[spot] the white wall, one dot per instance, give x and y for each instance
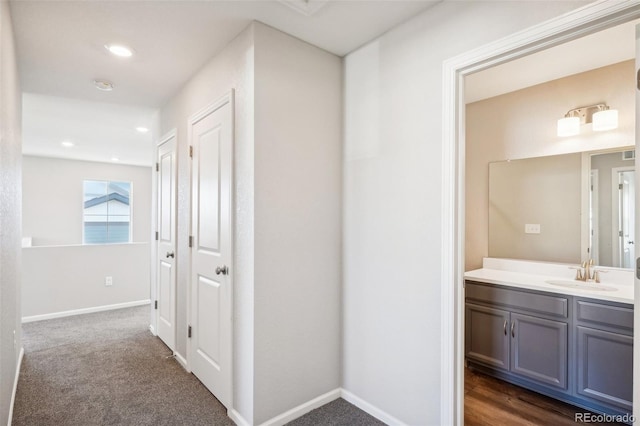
(58, 264)
(233, 68)
(66, 278)
(53, 198)
(392, 184)
(298, 199)
(10, 213)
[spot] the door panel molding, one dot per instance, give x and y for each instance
(210, 347)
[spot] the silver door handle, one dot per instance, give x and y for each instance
(224, 270)
(513, 324)
(170, 254)
(504, 326)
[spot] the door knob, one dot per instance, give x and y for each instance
(224, 270)
(170, 254)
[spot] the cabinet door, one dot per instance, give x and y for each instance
(539, 350)
(486, 336)
(605, 367)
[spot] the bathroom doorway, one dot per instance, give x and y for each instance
(593, 17)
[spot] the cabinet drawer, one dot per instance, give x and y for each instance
(598, 313)
(521, 300)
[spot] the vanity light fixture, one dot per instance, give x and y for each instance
(602, 117)
(568, 126)
(605, 119)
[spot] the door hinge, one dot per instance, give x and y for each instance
(191, 151)
(189, 332)
(190, 240)
(156, 305)
(157, 235)
(619, 186)
(157, 167)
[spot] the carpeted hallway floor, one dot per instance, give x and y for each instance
(107, 369)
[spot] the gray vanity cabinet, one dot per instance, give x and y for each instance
(539, 349)
(578, 350)
(517, 332)
(486, 335)
(604, 353)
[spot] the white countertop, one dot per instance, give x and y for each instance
(623, 292)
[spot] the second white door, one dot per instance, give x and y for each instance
(211, 139)
(166, 236)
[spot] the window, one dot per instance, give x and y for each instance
(106, 212)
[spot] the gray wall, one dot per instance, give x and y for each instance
(298, 200)
(59, 263)
(288, 215)
(10, 212)
(233, 68)
(52, 198)
(393, 192)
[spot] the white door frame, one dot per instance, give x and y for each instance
(615, 213)
(226, 98)
(173, 133)
(580, 22)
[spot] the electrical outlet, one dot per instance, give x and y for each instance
(108, 281)
(532, 228)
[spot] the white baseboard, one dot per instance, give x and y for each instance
(303, 409)
(237, 418)
(370, 409)
(152, 330)
(15, 386)
(84, 311)
(182, 361)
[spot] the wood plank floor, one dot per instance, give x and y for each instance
(489, 402)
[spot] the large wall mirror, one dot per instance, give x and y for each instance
(564, 208)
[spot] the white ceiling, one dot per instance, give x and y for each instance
(61, 51)
(98, 130)
(597, 50)
(61, 43)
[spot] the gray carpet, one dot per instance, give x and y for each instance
(336, 413)
(107, 369)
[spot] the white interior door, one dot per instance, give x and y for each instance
(211, 138)
(626, 221)
(166, 237)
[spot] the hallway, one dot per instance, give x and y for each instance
(107, 369)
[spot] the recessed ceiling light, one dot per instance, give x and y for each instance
(104, 85)
(142, 129)
(115, 159)
(67, 144)
(119, 50)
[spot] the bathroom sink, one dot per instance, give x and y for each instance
(581, 285)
